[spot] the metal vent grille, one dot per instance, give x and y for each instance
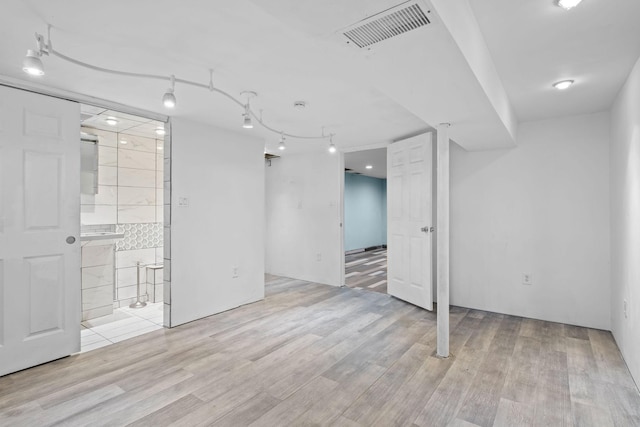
(387, 24)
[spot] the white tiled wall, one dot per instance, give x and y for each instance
(130, 192)
(97, 279)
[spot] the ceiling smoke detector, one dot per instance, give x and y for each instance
(390, 23)
(299, 105)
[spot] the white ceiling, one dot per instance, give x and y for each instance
(534, 43)
(358, 160)
(288, 50)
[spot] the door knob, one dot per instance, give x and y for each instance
(425, 229)
(71, 240)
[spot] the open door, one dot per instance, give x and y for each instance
(39, 229)
(409, 211)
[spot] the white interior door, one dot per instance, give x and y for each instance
(409, 212)
(39, 229)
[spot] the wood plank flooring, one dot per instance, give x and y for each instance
(311, 354)
(367, 270)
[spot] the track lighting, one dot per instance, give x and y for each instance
(169, 99)
(332, 146)
(32, 64)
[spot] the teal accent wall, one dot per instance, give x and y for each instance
(365, 211)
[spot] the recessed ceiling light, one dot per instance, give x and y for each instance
(562, 85)
(122, 141)
(160, 131)
(369, 167)
(568, 4)
(111, 121)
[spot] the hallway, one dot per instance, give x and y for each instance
(367, 270)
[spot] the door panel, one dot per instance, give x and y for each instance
(39, 209)
(409, 207)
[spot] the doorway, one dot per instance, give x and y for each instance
(365, 219)
(121, 219)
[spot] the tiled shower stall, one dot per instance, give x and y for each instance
(129, 200)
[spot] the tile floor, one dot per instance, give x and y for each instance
(367, 270)
(123, 324)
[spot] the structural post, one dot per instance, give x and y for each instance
(442, 246)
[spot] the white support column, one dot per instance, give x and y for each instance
(442, 230)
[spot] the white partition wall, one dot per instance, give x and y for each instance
(304, 211)
(216, 241)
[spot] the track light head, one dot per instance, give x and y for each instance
(169, 99)
(32, 64)
(247, 124)
(332, 146)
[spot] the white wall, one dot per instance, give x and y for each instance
(540, 208)
(303, 199)
(625, 220)
(221, 174)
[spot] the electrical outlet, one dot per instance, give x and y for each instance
(624, 309)
(235, 273)
(183, 201)
(527, 279)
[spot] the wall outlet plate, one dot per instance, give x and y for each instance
(527, 279)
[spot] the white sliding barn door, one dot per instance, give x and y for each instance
(39, 229)
(409, 212)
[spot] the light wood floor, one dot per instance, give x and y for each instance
(316, 355)
(367, 270)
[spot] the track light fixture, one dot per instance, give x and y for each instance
(32, 65)
(247, 124)
(169, 99)
(332, 146)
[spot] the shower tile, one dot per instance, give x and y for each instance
(100, 296)
(97, 276)
(136, 178)
(136, 159)
(138, 143)
(98, 214)
(136, 214)
(107, 195)
(128, 277)
(136, 196)
(107, 156)
(107, 175)
(97, 255)
(129, 258)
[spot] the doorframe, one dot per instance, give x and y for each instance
(341, 171)
(38, 88)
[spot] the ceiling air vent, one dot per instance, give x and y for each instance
(390, 23)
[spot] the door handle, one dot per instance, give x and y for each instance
(71, 240)
(427, 229)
